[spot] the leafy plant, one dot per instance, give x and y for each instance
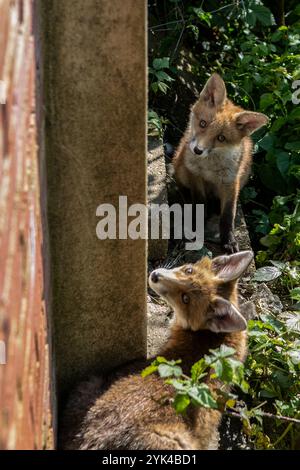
(272, 371)
(255, 47)
(159, 78)
(156, 124)
(220, 365)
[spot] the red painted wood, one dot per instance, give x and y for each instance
(25, 418)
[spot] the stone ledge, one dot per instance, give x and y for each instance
(157, 192)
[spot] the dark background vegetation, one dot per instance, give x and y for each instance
(255, 46)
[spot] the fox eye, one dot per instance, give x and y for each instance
(221, 138)
(189, 270)
(202, 123)
(185, 298)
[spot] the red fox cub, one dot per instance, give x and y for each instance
(127, 411)
(215, 154)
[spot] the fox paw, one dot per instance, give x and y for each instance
(230, 245)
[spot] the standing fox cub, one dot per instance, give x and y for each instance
(215, 154)
(127, 411)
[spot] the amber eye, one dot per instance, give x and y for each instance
(202, 123)
(221, 138)
(189, 270)
(185, 298)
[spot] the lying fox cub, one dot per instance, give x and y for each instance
(215, 154)
(126, 411)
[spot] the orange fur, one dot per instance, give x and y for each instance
(126, 411)
(220, 132)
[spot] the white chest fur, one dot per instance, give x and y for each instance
(219, 167)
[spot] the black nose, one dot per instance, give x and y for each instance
(154, 277)
(198, 151)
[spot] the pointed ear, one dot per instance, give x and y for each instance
(249, 122)
(231, 267)
(223, 317)
(214, 92)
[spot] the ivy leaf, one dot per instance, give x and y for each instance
(293, 146)
(278, 123)
(266, 100)
(266, 274)
(263, 14)
(293, 321)
(267, 142)
(279, 264)
(283, 163)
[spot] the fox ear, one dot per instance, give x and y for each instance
(231, 267)
(249, 121)
(223, 317)
(214, 91)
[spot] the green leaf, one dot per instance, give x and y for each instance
(161, 75)
(266, 100)
(278, 123)
(201, 395)
(179, 385)
(294, 114)
(294, 356)
(263, 14)
(154, 87)
(293, 321)
(161, 360)
(181, 402)
(149, 370)
(267, 393)
(271, 178)
(162, 87)
(223, 351)
(166, 370)
(293, 146)
(295, 293)
(198, 369)
(267, 273)
(279, 264)
(163, 63)
(283, 163)
(267, 142)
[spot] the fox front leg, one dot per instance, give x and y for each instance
(228, 212)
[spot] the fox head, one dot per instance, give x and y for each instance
(203, 294)
(216, 123)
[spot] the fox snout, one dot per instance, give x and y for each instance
(160, 279)
(197, 148)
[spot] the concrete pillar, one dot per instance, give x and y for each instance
(91, 56)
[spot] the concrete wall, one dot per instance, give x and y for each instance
(91, 62)
(25, 416)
